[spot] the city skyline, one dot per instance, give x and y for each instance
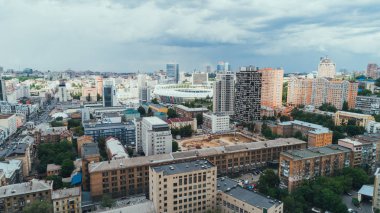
(114, 35)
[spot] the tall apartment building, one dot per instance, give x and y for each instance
(67, 200)
(326, 68)
(271, 87)
(368, 104)
(376, 190)
(109, 94)
(298, 165)
(224, 93)
(125, 132)
(172, 72)
(3, 90)
(321, 90)
(144, 90)
(183, 187)
(373, 71)
(216, 123)
(124, 177)
(343, 117)
(62, 92)
(99, 85)
(248, 94)
(89, 154)
(156, 137)
(13, 198)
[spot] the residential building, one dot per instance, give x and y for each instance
(3, 90)
(137, 123)
(82, 140)
(271, 87)
(248, 94)
(125, 132)
(20, 151)
(89, 94)
(130, 114)
(67, 200)
(53, 169)
(13, 198)
(47, 134)
(343, 117)
(368, 104)
(231, 197)
(182, 122)
(224, 93)
(8, 121)
(89, 154)
(183, 187)
(299, 91)
(172, 72)
(156, 136)
(356, 148)
(299, 165)
(132, 175)
(373, 71)
(115, 149)
(109, 94)
(317, 135)
(326, 68)
(62, 92)
(184, 111)
(363, 153)
(376, 191)
(216, 123)
(199, 78)
(13, 171)
(99, 85)
(373, 127)
(223, 66)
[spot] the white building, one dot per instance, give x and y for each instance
(372, 127)
(376, 191)
(224, 93)
(62, 92)
(156, 137)
(115, 149)
(216, 123)
(326, 68)
(8, 121)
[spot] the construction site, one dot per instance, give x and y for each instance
(214, 140)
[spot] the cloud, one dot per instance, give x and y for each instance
(116, 35)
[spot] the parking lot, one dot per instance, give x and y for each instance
(365, 207)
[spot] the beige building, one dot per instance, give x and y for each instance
(356, 148)
(82, 140)
(67, 200)
(182, 122)
(376, 190)
(53, 169)
(343, 117)
(89, 94)
(326, 68)
(271, 87)
(231, 198)
(183, 187)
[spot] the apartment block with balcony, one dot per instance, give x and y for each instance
(67, 200)
(343, 117)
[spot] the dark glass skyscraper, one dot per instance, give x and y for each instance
(172, 72)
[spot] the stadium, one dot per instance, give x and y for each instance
(180, 93)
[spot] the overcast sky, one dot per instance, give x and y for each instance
(131, 35)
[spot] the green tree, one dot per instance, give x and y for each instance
(107, 201)
(174, 146)
(267, 181)
(328, 107)
(102, 147)
(98, 97)
(130, 151)
(150, 112)
(172, 113)
(199, 119)
(345, 106)
(57, 181)
(73, 123)
(88, 98)
(38, 207)
(365, 92)
(155, 101)
(67, 168)
(142, 111)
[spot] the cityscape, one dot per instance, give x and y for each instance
(195, 116)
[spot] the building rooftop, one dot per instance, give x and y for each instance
(232, 188)
(175, 120)
(353, 114)
(115, 148)
(158, 106)
(315, 152)
(316, 129)
(10, 166)
(350, 141)
(65, 193)
(5, 116)
(188, 109)
(90, 149)
(366, 190)
(103, 125)
(178, 168)
(25, 188)
(155, 120)
(111, 114)
(52, 167)
(146, 160)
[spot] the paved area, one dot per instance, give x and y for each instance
(365, 207)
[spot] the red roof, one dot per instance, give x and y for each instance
(177, 120)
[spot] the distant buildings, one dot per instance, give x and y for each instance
(183, 187)
(271, 87)
(223, 66)
(62, 92)
(67, 200)
(156, 137)
(343, 118)
(188, 112)
(172, 72)
(216, 123)
(373, 71)
(182, 122)
(368, 104)
(224, 93)
(143, 89)
(3, 90)
(125, 132)
(326, 68)
(109, 94)
(248, 94)
(199, 78)
(376, 190)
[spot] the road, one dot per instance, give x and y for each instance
(364, 207)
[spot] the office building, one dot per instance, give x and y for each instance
(13, 198)
(109, 94)
(316, 135)
(343, 117)
(62, 92)
(67, 200)
(216, 123)
(99, 85)
(271, 87)
(373, 71)
(183, 187)
(368, 104)
(248, 94)
(326, 68)
(184, 111)
(376, 191)
(114, 149)
(156, 137)
(8, 121)
(131, 176)
(3, 90)
(224, 93)
(89, 154)
(299, 165)
(172, 72)
(231, 197)
(223, 67)
(177, 123)
(124, 131)
(199, 78)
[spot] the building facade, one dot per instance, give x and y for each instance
(368, 104)
(156, 137)
(343, 118)
(184, 111)
(125, 132)
(67, 200)
(216, 123)
(326, 68)
(172, 72)
(224, 93)
(109, 94)
(376, 190)
(271, 87)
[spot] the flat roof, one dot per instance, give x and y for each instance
(315, 152)
(155, 120)
(232, 188)
(353, 114)
(186, 167)
(24, 188)
(65, 193)
(90, 149)
(5, 116)
(116, 148)
(200, 109)
(350, 141)
(317, 129)
(366, 190)
(52, 167)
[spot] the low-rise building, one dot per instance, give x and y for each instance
(299, 165)
(124, 131)
(231, 197)
(356, 148)
(183, 187)
(131, 114)
(216, 123)
(12, 170)
(47, 134)
(188, 112)
(53, 169)
(182, 122)
(158, 108)
(89, 154)
(13, 198)
(82, 140)
(8, 121)
(67, 200)
(373, 127)
(115, 149)
(368, 104)
(343, 117)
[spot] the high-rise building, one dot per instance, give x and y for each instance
(376, 190)
(271, 87)
(224, 93)
(183, 187)
(368, 104)
(326, 68)
(172, 72)
(199, 78)
(144, 90)
(321, 90)
(223, 67)
(156, 137)
(62, 91)
(373, 71)
(3, 90)
(109, 94)
(248, 94)
(99, 85)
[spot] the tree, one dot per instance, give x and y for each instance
(67, 168)
(199, 119)
(328, 107)
(150, 112)
(365, 92)
(345, 106)
(155, 101)
(73, 123)
(102, 147)
(107, 201)
(130, 151)
(142, 111)
(57, 181)
(88, 98)
(172, 113)
(38, 206)
(174, 146)
(98, 97)
(377, 82)
(268, 180)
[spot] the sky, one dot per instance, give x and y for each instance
(135, 35)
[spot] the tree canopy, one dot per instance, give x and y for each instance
(38, 206)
